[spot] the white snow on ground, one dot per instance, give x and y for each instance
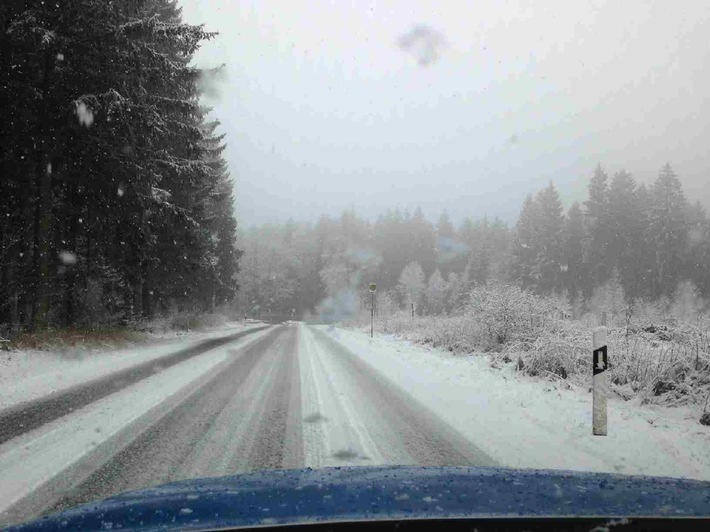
(336, 431)
(30, 374)
(529, 423)
(32, 459)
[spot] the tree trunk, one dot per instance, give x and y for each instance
(71, 274)
(147, 301)
(137, 300)
(43, 213)
(87, 224)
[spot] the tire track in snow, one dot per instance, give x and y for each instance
(244, 411)
(41, 466)
(22, 418)
(248, 414)
(402, 429)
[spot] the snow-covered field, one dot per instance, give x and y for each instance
(531, 423)
(29, 374)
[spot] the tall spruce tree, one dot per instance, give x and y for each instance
(626, 226)
(598, 230)
(549, 268)
(119, 211)
(573, 251)
(525, 248)
(668, 231)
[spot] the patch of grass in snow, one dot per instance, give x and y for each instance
(110, 336)
(76, 337)
(185, 321)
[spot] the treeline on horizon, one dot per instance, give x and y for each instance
(115, 201)
(628, 241)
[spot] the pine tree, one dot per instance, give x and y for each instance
(422, 234)
(411, 285)
(698, 256)
(447, 249)
(480, 246)
(130, 200)
(598, 230)
(668, 231)
(626, 228)
(497, 238)
(644, 248)
(436, 292)
(444, 227)
(390, 242)
(573, 250)
(549, 266)
(525, 248)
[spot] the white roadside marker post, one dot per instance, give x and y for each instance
(600, 376)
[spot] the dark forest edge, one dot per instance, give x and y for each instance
(115, 200)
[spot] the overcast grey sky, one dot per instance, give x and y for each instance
(323, 110)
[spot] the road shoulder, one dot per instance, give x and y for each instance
(529, 423)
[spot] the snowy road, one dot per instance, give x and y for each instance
(28, 415)
(287, 397)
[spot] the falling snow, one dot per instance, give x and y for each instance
(67, 258)
(85, 115)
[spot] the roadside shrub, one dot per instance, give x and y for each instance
(510, 314)
(654, 356)
(559, 352)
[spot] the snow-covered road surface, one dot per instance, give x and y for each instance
(528, 422)
(293, 396)
(25, 416)
(286, 397)
(32, 374)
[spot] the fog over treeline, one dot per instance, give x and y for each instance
(459, 106)
(626, 242)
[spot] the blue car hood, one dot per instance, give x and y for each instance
(383, 493)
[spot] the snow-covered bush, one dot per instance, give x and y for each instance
(458, 334)
(653, 354)
(665, 364)
(507, 313)
(561, 350)
(609, 298)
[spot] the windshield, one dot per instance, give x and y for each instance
(265, 235)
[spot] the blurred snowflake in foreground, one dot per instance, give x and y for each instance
(67, 258)
(424, 43)
(85, 115)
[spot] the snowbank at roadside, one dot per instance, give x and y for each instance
(29, 374)
(529, 423)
